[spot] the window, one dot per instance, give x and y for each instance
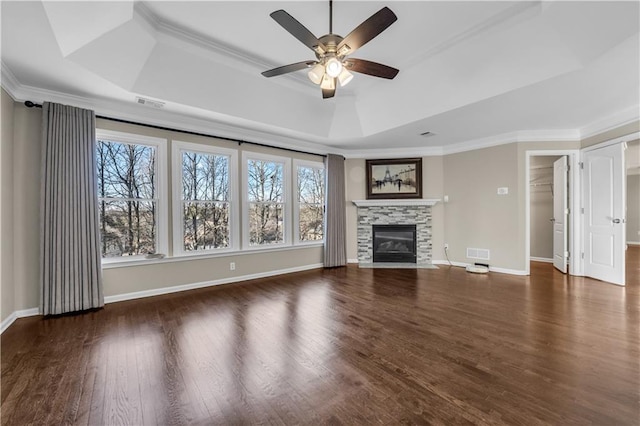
(267, 193)
(204, 208)
(309, 201)
(130, 194)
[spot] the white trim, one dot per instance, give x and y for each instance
(540, 259)
(575, 218)
(177, 147)
(622, 139)
(162, 187)
(296, 198)
(491, 268)
(633, 243)
(611, 122)
(522, 136)
(9, 81)
(385, 203)
(203, 256)
(352, 261)
(286, 211)
(22, 313)
(192, 286)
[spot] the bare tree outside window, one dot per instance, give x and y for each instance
(205, 201)
(127, 198)
(311, 203)
(265, 194)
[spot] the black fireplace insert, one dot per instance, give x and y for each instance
(394, 243)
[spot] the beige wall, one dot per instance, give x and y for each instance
(432, 186)
(475, 215)
(119, 280)
(633, 208)
(7, 293)
(26, 203)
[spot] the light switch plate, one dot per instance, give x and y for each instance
(503, 191)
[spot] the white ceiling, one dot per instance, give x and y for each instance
(473, 73)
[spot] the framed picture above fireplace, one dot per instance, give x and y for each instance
(394, 178)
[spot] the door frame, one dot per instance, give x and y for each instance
(574, 224)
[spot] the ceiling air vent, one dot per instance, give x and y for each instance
(149, 102)
(427, 134)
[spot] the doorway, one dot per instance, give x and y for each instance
(541, 188)
(540, 226)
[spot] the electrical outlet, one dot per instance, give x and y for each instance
(232, 266)
(446, 246)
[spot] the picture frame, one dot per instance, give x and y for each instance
(394, 178)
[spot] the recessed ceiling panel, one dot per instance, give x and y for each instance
(76, 23)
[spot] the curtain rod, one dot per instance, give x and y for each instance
(30, 104)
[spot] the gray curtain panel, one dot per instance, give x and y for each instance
(335, 242)
(70, 272)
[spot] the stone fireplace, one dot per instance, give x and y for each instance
(412, 213)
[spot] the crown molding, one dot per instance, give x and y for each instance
(206, 122)
(562, 135)
(167, 118)
(621, 118)
(8, 80)
(435, 151)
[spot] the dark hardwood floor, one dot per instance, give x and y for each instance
(343, 346)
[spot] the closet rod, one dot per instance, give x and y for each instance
(30, 104)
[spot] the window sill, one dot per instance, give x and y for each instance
(191, 257)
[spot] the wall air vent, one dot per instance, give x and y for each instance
(149, 102)
(427, 134)
(476, 253)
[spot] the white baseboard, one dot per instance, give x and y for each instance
(166, 290)
(18, 314)
(633, 243)
(491, 268)
(541, 259)
(352, 260)
(193, 286)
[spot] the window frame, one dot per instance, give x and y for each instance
(177, 148)
(286, 186)
(296, 201)
(161, 189)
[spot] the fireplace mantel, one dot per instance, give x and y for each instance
(403, 203)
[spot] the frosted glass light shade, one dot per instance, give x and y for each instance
(334, 67)
(345, 77)
(316, 73)
(328, 83)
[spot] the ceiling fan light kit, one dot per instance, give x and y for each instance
(331, 51)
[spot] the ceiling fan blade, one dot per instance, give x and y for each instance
(297, 30)
(369, 29)
(289, 68)
(371, 68)
(328, 93)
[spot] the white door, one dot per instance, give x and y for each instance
(604, 214)
(560, 214)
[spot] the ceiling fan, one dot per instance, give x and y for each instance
(332, 62)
